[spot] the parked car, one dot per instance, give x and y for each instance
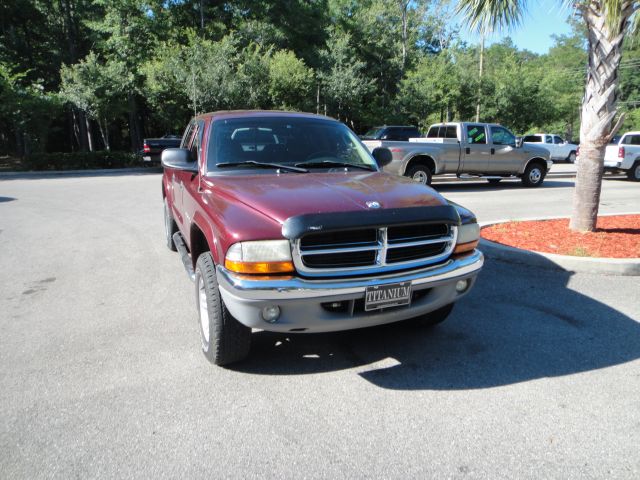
(559, 149)
(152, 148)
(477, 149)
(399, 133)
(295, 228)
(624, 156)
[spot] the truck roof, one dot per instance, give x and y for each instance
(465, 123)
(259, 113)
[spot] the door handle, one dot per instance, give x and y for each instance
(467, 150)
(493, 151)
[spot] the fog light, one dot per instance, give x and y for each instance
(271, 313)
(462, 285)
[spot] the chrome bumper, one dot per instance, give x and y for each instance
(300, 300)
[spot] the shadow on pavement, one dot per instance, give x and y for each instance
(6, 199)
(480, 185)
(519, 323)
(79, 173)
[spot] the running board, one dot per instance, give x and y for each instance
(184, 254)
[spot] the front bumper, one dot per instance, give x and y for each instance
(301, 300)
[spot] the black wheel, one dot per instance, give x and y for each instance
(420, 173)
(224, 339)
(494, 181)
(170, 226)
(533, 175)
(633, 173)
(572, 157)
(433, 318)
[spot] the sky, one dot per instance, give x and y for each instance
(543, 19)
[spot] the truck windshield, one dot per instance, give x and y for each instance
(285, 141)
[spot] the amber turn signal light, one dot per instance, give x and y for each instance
(258, 267)
(465, 247)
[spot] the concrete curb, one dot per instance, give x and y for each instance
(552, 261)
(79, 173)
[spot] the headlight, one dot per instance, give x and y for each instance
(264, 256)
(468, 236)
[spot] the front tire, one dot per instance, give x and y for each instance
(433, 318)
(224, 339)
(572, 157)
(533, 175)
(170, 226)
(634, 172)
(420, 173)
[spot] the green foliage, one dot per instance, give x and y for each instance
(80, 161)
(290, 81)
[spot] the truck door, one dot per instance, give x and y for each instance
(505, 158)
(190, 181)
(476, 151)
(182, 179)
(548, 144)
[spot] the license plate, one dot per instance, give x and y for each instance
(385, 296)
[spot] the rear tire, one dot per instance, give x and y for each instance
(572, 157)
(634, 172)
(170, 226)
(420, 173)
(533, 175)
(224, 339)
(433, 318)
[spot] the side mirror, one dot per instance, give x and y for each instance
(179, 159)
(383, 156)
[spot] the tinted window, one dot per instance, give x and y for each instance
(548, 139)
(373, 134)
(433, 132)
(286, 140)
(557, 140)
(411, 133)
(476, 134)
(502, 136)
(532, 139)
(187, 136)
(631, 140)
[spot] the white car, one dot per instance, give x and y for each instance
(559, 149)
(624, 156)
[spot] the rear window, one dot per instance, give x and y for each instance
(631, 140)
(443, 131)
(532, 139)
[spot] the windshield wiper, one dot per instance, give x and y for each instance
(331, 163)
(263, 165)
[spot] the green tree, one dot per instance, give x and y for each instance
(290, 81)
(607, 22)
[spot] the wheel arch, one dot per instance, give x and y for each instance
(202, 239)
(421, 159)
(538, 160)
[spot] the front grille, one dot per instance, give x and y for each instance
(372, 250)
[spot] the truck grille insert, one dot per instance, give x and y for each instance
(372, 250)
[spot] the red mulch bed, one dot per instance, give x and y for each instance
(615, 237)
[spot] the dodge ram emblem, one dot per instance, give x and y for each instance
(373, 204)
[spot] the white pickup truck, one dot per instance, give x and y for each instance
(559, 149)
(624, 156)
(465, 148)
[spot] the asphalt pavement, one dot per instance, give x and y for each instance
(535, 375)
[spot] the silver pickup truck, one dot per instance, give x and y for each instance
(478, 149)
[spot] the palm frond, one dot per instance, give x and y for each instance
(487, 16)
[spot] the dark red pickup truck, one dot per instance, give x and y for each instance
(286, 223)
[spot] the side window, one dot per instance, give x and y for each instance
(196, 140)
(411, 133)
(433, 132)
(548, 139)
(557, 140)
(631, 140)
(476, 134)
(186, 137)
(502, 136)
(532, 139)
(451, 132)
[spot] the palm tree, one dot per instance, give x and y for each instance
(607, 22)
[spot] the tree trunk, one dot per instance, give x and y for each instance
(134, 124)
(83, 136)
(480, 77)
(89, 136)
(598, 111)
(404, 6)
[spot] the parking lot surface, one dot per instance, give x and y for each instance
(535, 375)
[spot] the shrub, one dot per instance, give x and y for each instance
(80, 160)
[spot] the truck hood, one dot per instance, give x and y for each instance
(282, 196)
